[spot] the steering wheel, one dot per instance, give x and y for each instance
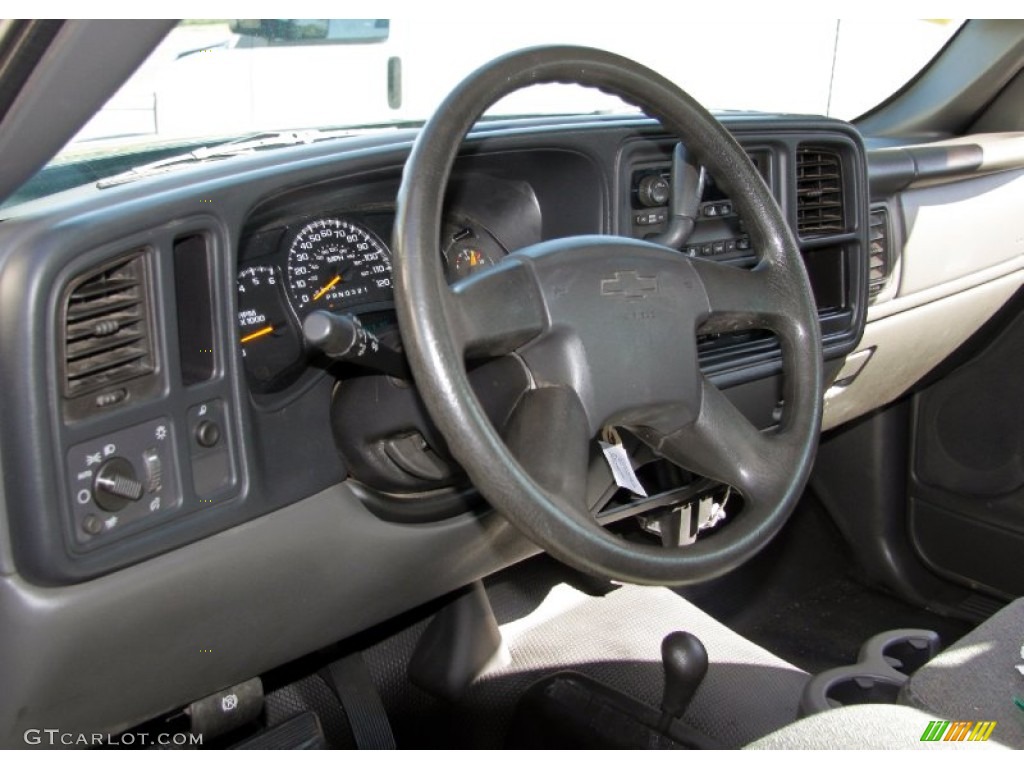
(607, 327)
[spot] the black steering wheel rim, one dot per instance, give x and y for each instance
(438, 327)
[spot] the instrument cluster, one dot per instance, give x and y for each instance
(339, 264)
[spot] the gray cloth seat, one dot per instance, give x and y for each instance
(976, 677)
(973, 680)
(864, 726)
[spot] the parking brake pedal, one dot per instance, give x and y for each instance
(300, 732)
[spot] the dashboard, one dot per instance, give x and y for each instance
(183, 461)
(194, 399)
(168, 479)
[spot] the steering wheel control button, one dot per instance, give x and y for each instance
(207, 433)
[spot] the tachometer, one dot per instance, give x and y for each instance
(336, 264)
(271, 346)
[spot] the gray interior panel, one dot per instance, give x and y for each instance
(6, 553)
(224, 609)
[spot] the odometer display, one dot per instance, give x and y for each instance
(336, 264)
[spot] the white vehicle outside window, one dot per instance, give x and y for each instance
(229, 77)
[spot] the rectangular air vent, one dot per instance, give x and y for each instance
(819, 192)
(879, 255)
(107, 329)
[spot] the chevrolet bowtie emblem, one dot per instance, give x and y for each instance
(629, 285)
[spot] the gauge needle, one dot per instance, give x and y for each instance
(257, 334)
(326, 288)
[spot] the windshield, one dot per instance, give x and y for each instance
(214, 80)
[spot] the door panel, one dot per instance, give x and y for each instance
(967, 469)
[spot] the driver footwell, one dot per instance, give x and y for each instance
(552, 619)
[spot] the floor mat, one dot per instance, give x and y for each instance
(801, 599)
(826, 625)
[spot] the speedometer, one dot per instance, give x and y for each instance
(336, 264)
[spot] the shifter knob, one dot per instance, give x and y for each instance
(686, 662)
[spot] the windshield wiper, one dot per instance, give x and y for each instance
(243, 146)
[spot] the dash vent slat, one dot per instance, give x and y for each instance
(819, 191)
(879, 252)
(106, 327)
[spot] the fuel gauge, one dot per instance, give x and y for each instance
(467, 250)
(272, 348)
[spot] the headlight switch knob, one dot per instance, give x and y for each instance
(116, 484)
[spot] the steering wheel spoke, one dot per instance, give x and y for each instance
(739, 298)
(723, 445)
(549, 436)
(498, 310)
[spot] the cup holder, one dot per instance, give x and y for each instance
(882, 667)
(863, 689)
(904, 650)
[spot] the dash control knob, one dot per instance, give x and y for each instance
(116, 485)
(207, 433)
(653, 191)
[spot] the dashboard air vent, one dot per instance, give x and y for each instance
(819, 192)
(879, 255)
(107, 327)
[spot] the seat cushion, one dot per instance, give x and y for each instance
(864, 726)
(976, 678)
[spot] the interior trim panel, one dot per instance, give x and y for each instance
(313, 572)
(955, 257)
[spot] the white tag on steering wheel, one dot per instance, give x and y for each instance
(622, 470)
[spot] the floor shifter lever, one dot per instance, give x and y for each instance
(685, 660)
(569, 710)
